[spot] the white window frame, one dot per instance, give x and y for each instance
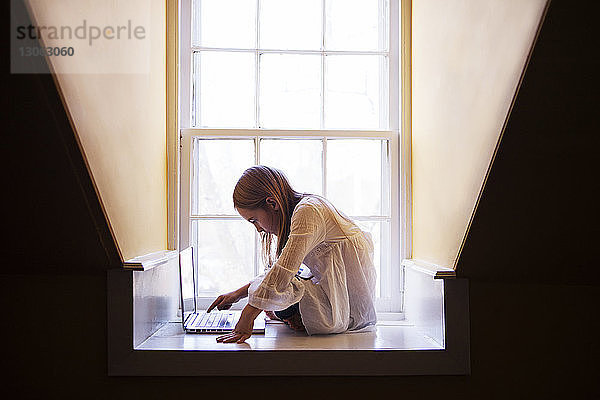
(398, 177)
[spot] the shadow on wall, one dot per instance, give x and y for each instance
(534, 220)
(54, 215)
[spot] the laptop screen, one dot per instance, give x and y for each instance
(187, 281)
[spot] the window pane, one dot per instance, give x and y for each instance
(355, 92)
(290, 91)
(225, 254)
(355, 25)
(354, 175)
(224, 23)
(218, 164)
(375, 229)
(300, 159)
(224, 89)
(291, 24)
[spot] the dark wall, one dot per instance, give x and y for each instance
(528, 255)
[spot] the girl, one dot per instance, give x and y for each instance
(339, 295)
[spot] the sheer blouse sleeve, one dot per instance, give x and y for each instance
(278, 288)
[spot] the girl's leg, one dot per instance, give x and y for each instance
(288, 312)
(291, 316)
(295, 322)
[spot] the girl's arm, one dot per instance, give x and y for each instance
(278, 289)
(243, 329)
(243, 291)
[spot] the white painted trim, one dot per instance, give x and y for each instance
(436, 271)
(149, 261)
(285, 51)
(424, 304)
(223, 133)
(396, 279)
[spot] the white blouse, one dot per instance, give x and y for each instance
(339, 296)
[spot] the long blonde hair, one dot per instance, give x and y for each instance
(251, 191)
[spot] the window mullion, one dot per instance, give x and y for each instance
(370, 218)
(257, 149)
(257, 244)
(323, 90)
(256, 89)
(292, 51)
(384, 228)
(219, 133)
(324, 166)
(219, 217)
(323, 24)
(323, 27)
(257, 69)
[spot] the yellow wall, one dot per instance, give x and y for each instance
(119, 118)
(468, 56)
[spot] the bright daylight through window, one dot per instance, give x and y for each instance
(306, 86)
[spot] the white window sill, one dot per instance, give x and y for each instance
(144, 340)
(149, 261)
(392, 335)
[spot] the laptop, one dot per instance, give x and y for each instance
(199, 321)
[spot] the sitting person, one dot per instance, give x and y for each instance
(310, 230)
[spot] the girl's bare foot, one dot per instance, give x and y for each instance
(295, 322)
(272, 315)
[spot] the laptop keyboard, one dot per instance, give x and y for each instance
(213, 320)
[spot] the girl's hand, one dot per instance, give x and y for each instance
(243, 329)
(225, 301)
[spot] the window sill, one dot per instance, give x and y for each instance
(392, 335)
(143, 340)
(149, 261)
(435, 271)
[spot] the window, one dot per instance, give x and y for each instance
(160, 347)
(307, 86)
